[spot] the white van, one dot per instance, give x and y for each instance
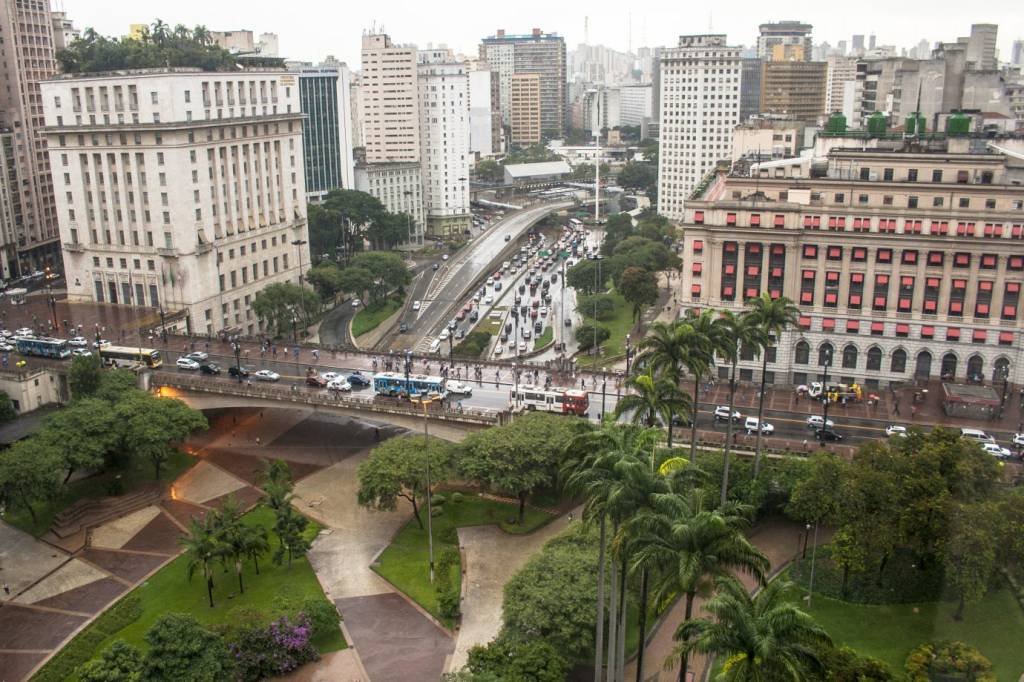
(976, 435)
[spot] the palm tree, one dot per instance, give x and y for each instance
(738, 332)
(229, 529)
(773, 316)
(253, 543)
(765, 637)
(701, 334)
(688, 545)
(202, 547)
(653, 401)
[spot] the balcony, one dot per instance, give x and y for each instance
(74, 247)
(169, 252)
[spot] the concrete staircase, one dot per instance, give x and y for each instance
(92, 512)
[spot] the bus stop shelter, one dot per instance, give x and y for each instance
(972, 401)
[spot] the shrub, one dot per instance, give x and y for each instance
(119, 662)
(602, 303)
(585, 335)
(448, 602)
(438, 499)
(507, 659)
(322, 615)
(436, 511)
(843, 664)
(276, 649)
(456, 498)
(949, 661)
(62, 666)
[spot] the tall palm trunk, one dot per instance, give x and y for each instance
(613, 612)
(760, 413)
(621, 644)
(599, 634)
(643, 627)
(696, 411)
(728, 434)
(684, 659)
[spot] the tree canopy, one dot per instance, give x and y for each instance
(159, 47)
(345, 218)
(397, 469)
(182, 649)
(282, 303)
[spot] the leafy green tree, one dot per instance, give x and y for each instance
(618, 227)
(590, 335)
(158, 48)
(203, 546)
(279, 304)
(489, 171)
(816, 498)
(397, 469)
(28, 473)
(326, 278)
(583, 277)
(151, 425)
(970, 557)
(387, 270)
(342, 220)
(119, 662)
(640, 289)
(526, 661)
(84, 434)
(181, 649)
(773, 316)
(598, 306)
(84, 376)
(7, 411)
(388, 230)
(519, 457)
(764, 637)
(552, 598)
(638, 177)
(277, 484)
(355, 280)
(116, 384)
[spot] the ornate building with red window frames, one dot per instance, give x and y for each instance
(905, 264)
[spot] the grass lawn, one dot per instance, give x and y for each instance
(370, 317)
(138, 473)
(619, 324)
(405, 562)
(889, 632)
(170, 591)
(545, 338)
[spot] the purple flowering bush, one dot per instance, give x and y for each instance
(276, 649)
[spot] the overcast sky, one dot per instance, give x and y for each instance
(311, 30)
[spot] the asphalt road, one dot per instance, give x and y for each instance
(493, 393)
(459, 274)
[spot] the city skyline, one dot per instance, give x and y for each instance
(660, 26)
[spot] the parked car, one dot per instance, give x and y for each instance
(358, 379)
(896, 430)
(266, 375)
(209, 368)
(815, 421)
(77, 352)
(356, 302)
(76, 342)
(751, 426)
(198, 356)
(187, 363)
(1018, 439)
(522, 346)
(458, 388)
(489, 300)
(722, 413)
(238, 372)
(996, 450)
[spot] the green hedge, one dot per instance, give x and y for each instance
(83, 647)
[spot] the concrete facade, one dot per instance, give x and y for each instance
(180, 189)
(795, 89)
(389, 101)
(538, 53)
(777, 37)
(324, 97)
(700, 106)
(841, 70)
(29, 58)
(399, 186)
(892, 280)
(526, 117)
(484, 112)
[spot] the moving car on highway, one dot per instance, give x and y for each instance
(186, 363)
(266, 375)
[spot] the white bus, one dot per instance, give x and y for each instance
(124, 356)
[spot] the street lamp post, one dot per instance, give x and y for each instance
(299, 243)
(824, 393)
(451, 344)
(627, 354)
(814, 552)
(237, 347)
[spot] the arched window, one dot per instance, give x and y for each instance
(923, 366)
(850, 357)
(975, 367)
(803, 353)
(899, 361)
(1001, 370)
(875, 358)
(949, 363)
(825, 354)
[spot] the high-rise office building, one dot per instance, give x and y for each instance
(182, 191)
(390, 124)
(26, 31)
(324, 96)
(700, 106)
(64, 31)
(1017, 53)
(750, 88)
(857, 45)
(525, 109)
(794, 89)
(981, 46)
(539, 53)
(841, 70)
(443, 83)
(777, 40)
(485, 129)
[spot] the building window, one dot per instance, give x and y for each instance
(803, 352)
(898, 364)
(850, 357)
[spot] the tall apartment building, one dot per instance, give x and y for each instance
(10, 207)
(1017, 53)
(64, 31)
(485, 129)
(784, 34)
(324, 97)
(444, 142)
(700, 106)
(179, 189)
(981, 46)
(795, 89)
(906, 263)
(526, 109)
(841, 70)
(390, 123)
(537, 52)
(635, 104)
(28, 57)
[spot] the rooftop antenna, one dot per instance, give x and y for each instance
(917, 113)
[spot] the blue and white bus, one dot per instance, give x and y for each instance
(394, 384)
(44, 347)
